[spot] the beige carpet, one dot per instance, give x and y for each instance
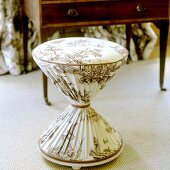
(132, 103)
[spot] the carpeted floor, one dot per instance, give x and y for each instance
(132, 103)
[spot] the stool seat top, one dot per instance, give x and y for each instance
(80, 51)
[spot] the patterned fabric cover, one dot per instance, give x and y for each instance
(97, 62)
(80, 68)
(80, 51)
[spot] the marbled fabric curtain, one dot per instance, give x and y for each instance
(11, 45)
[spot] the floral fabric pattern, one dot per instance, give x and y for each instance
(78, 51)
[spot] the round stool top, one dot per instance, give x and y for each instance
(80, 51)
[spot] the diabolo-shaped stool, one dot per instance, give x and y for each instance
(80, 67)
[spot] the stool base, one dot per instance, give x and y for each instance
(77, 166)
(80, 137)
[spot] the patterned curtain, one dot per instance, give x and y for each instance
(11, 45)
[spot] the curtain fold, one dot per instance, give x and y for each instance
(142, 41)
(11, 43)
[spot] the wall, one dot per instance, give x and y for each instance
(156, 49)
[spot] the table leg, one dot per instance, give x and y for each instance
(128, 36)
(164, 25)
(43, 37)
(45, 89)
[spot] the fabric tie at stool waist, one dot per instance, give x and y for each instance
(80, 106)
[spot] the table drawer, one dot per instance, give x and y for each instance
(93, 11)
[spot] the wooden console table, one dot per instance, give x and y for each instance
(50, 15)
